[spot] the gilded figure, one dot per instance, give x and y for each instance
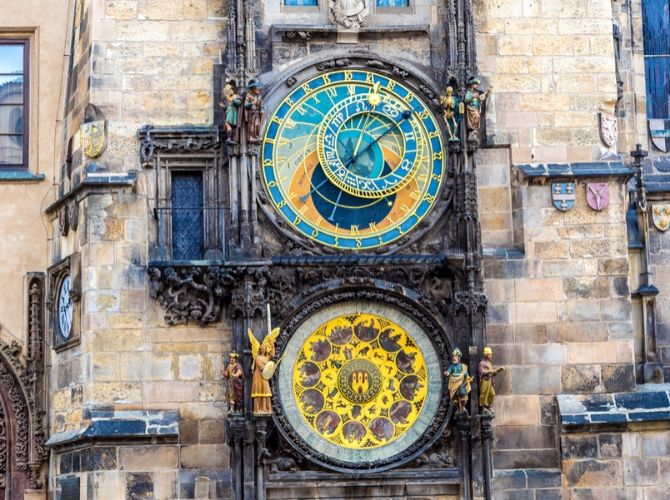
(451, 117)
(254, 112)
(487, 373)
(234, 373)
(459, 381)
(263, 369)
(475, 102)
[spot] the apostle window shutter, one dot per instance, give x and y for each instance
(656, 22)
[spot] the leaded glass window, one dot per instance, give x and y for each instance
(656, 22)
(187, 216)
(392, 3)
(301, 3)
(13, 104)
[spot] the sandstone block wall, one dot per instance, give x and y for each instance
(560, 319)
(152, 63)
(552, 67)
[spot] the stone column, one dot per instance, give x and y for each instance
(486, 429)
(464, 434)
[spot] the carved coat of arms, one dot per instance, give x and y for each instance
(93, 138)
(598, 195)
(609, 129)
(659, 133)
(563, 195)
(660, 215)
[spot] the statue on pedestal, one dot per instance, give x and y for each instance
(450, 104)
(234, 373)
(263, 369)
(254, 112)
(487, 372)
(459, 381)
(475, 101)
(231, 103)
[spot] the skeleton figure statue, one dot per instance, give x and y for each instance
(449, 103)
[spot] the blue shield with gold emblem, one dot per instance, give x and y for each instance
(563, 195)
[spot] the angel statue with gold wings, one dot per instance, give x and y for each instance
(263, 370)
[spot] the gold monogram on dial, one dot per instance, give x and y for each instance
(360, 381)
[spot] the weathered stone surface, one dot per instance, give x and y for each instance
(610, 445)
(586, 473)
(146, 458)
(618, 378)
(204, 456)
(580, 378)
(579, 446)
(642, 471)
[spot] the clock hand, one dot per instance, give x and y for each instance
(303, 198)
(337, 204)
(405, 115)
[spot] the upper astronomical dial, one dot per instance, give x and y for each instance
(352, 159)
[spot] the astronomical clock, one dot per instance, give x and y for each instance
(353, 163)
(353, 159)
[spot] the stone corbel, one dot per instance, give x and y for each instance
(190, 293)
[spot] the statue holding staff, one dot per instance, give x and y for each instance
(487, 372)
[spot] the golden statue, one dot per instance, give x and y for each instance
(263, 370)
(487, 372)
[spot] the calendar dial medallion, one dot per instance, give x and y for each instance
(353, 159)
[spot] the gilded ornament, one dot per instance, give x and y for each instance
(360, 381)
(487, 372)
(93, 136)
(263, 366)
(660, 215)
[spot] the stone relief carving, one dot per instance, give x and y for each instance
(349, 14)
(190, 293)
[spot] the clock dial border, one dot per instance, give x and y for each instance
(57, 274)
(380, 298)
(412, 227)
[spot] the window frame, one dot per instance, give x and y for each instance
(26, 103)
(648, 54)
(394, 9)
(319, 7)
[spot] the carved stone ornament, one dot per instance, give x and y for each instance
(173, 140)
(191, 293)
(609, 129)
(349, 14)
(660, 215)
(93, 138)
(598, 195)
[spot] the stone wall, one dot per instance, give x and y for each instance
(559, 320)
(552, 66)
(152, 63)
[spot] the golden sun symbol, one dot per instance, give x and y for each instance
(374, 97)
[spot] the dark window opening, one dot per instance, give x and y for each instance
(187, 205)
(656, 24)
(13, 104)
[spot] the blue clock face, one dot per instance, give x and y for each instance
(353, 159)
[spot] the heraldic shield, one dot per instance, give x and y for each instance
(598, 195)
(660, 215)
(563, 195)
(659, 132)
